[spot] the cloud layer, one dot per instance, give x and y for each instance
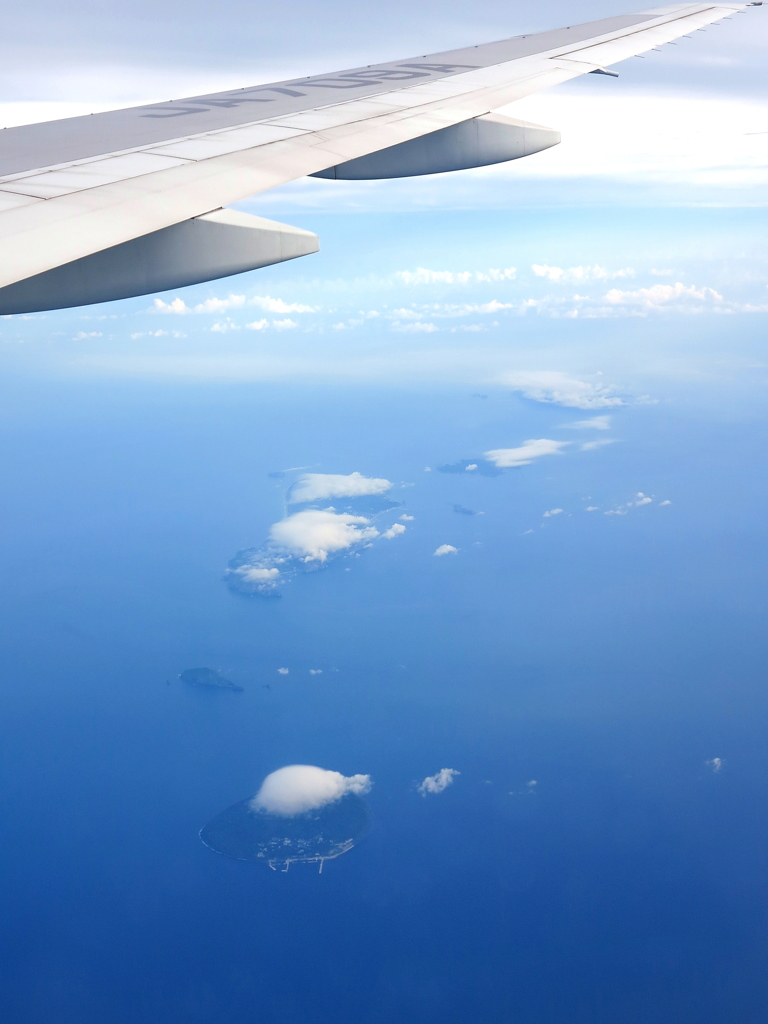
(299, 788)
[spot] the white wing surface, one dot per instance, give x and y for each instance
(73, 188)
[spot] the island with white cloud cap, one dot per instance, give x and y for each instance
(301, 814)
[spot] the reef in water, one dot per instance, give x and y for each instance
(244, 833)
(208, 677)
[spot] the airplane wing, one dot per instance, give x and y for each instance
(129, 202)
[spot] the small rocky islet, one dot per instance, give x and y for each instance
(209, 678)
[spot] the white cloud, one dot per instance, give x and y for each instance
(395, 530)
(257, 574)
(505, 458)
(662, 503)
(595, 423)
(257, 325)
(315, 671)
(312, 535)
(554, 387)
(601, 442)
(406, 518)
(716, 764)
(494, 306)
(471, 467)
(643, 499)
(284, 325)
(446, 549)
(685, 140)
(82, 335)
(298, 788)
(414, 327)
(270, 305)
(661, 294)
(592, 508)
(283, 671)
(553, 512)
(424, 276)
(216, 305)
(319, 486)
(176, 306)
(560, 275)
(405, 314)
(491, 276)
(437, 783)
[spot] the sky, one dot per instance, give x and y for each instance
(470, 504)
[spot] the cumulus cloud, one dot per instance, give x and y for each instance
(506, 458)
(561, 275)
(393, 531)
(446, 549)
(320, 486)
(553, 512)
(437, 783)
(667, 502)
(299, 788)
(467, 308)
(258, 574)
(257, 325)
(315, 671)
(592, 508)
(662, 294)
(406, 518)
(283, 671)
(470, 467)
(216, 305)
(716, 764)
(313, 535)
(492, 276)
(556, 388)
(424, 276)
(415, 327)
(270, 305)
(176, 306)
(642, 499)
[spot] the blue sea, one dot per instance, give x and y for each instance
(597, 680)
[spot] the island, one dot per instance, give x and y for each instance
(208, 677)
(313, 837)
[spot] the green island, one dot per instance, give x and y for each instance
(313, 837)
(208, 677)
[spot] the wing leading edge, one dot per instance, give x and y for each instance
(78, 187)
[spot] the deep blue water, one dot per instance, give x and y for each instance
(608, 658)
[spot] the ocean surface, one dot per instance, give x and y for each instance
(616, 661)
